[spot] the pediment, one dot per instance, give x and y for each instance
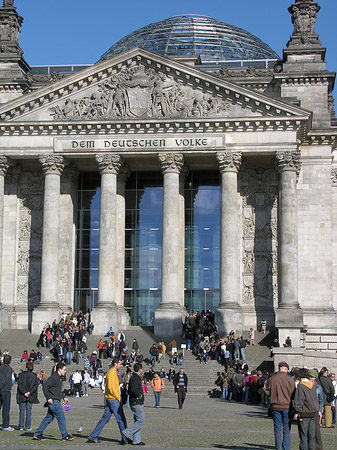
(141, 85)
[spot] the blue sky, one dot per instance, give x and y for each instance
(80, 31)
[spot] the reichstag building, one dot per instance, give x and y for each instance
(190, 168)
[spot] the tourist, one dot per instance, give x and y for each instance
(153, 355)
(113, 403)
(6, 382)
(319, 413)
(52, 390)
(329, 395)
(136, 402)
(252, 336)
(27, 395)
(157, 385)
(281, 389)
(263, 325)
(180, 382)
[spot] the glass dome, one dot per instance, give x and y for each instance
(195, 35)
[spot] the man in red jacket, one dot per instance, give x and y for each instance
(281, 388)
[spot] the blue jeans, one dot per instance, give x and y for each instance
(157, 397)
(243, 354)
(153, 361)
(189, 342)
(139, 421)
(25, 407)
(112, 407)
(224, 392)
(5, 404)
(281, 418)
(69, 357)
(54, 410)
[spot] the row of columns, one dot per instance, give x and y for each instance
(110, 308)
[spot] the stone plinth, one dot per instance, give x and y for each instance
(168, 321)
(289, 322)
(105, 317)
(229, 317)
(42, 315)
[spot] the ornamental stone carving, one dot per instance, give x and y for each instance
(138, 92)
(52, 164)
(10, 27)
(171, 162)
(304, 16)
(229, 161)
(288, 160)
(259, 190)
(108, 163)
(5, 163)
(334, 176)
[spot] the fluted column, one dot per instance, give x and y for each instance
(228, 313)
(183, 175)
(123, 175)
(289, 318)
(105, 313)
(4, 166)
(52, 167)
(168, 315)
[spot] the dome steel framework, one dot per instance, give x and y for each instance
(199, 35)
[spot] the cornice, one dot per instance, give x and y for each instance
(148, 127)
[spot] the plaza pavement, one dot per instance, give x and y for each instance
(203, 423)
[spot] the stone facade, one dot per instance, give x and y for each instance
(270, 135)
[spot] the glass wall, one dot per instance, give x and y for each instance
(143, 243)
(87, 242)
(202, 240)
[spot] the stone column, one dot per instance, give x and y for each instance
(289, 317)
(124, 318)
(168, 317)
(228, 315)
(4, 166)
(105, 314)
(48, 310)
(183, 175)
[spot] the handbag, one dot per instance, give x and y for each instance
(67, 406)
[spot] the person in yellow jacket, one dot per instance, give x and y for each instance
(157, 385)
(113, 403)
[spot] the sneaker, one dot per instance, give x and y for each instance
(8, 429)
(93, 440)
(28, 429)
(69, 437)
(125, 439)
(21, 429)
(39, 437)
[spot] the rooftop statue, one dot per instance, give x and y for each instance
(8, 3)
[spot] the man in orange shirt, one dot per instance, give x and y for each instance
(157, 385)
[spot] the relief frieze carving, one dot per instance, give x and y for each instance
(259, 189)
(139, 92)
(30, 238)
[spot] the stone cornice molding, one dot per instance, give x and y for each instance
(229, 161)
(288, 160)
(108, 163)
(52, 164)
(5, 163)
(171, 162)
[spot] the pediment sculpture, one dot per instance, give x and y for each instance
(139, 92)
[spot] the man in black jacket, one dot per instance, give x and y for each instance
(180, 382)
(329, 395)
(52, 390)
(6, 373)
(137, 407)
(26, 395)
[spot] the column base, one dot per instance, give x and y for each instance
(123, 317)
(104, 317)
(21, 317)
(289, 322)
(43, 315)
(3, 318)
(229, 317)
(168, 321)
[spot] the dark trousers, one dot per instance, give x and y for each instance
(181, 396)
(5, 404)
(319, 444)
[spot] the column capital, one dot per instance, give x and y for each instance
(229, 161)
(5, 164)
(288, 160)
(52, 164)
(171, 162)
(108, 163)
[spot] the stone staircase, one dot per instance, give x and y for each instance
(201, 377)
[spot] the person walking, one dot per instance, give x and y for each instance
(137, 407)
(153, 355)
(113, 403)
(52, 390)
(157, 385)
(280, 389)
(180, 382)
(6, 376)
(27, 395)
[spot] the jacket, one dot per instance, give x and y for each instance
(112, 391)
(5, 378)
(327, 387)
(306, 401)
(281, 389)
(135, 390)
(52, 388)
(157, 384)
(176, 381)
(27, 382)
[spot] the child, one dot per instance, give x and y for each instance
(144, 386)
